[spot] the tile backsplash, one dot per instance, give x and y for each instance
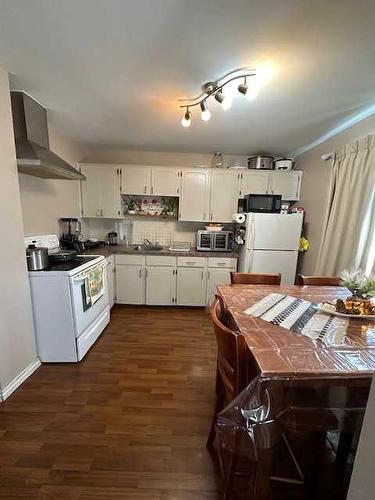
(138, 229)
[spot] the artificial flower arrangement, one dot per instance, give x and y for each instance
(361, 302)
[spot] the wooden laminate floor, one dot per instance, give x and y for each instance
(128, 422)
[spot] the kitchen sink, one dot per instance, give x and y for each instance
(148, 248)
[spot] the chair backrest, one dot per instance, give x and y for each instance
(231, 353)
(319, 280)
(254, 279)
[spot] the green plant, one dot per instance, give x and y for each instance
(359, 283)
(131, 204)
(170, 204)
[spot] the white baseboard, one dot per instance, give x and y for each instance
(17, 381)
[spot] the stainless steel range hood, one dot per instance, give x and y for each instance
(32, 143)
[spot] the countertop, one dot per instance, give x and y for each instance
(108, 250)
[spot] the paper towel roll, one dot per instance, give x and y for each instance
(239, 218)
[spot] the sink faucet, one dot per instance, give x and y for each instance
(147, 242)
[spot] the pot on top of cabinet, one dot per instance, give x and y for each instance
(284, 164)
(261, 162)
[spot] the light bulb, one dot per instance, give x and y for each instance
(227, 102)
(205, 112)
(253, 91)
(186, 119)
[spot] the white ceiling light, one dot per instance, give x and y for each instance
(205, 112)
(221, 92)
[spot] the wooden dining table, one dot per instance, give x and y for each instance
(310, 384)
(277, 351)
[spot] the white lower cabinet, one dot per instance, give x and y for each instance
(130, 284)
(167, 280)
(191, 286)
(216, 277)
(111, 279)
(160, 286)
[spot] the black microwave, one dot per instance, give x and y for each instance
(263, 203)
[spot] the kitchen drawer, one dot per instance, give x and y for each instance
(132, 260)
(223, 262)
(160, 260)
(191, 261)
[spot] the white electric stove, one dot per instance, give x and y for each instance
(67, 318)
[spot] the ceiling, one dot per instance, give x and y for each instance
(111, 71)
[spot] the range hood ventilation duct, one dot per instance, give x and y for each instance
(32, 143)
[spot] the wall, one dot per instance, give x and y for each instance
(44, 201)
(315, 185)
(17, 345)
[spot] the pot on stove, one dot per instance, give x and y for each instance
(36, 257)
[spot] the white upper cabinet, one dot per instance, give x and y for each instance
(224, 195)
(287, 184)
(100, 193)
(109, 187)
(90, 194)
(253, 182)
(165, 181)
(136, 179)
(195, 193)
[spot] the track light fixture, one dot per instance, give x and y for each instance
(216, 89)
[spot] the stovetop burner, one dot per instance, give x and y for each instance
(70, 264)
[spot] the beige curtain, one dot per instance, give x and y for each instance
(348, 227)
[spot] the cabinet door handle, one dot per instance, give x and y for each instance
(146, 272)
(190, 263)
(98, 212)
(152, 189)
(220, 263)
(145, 189)
(178, 190)
(140, 272)
(202, 275)
(204, 216)
(208, 275)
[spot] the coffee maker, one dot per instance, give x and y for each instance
(70, 230)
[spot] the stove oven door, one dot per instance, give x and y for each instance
(87, 309)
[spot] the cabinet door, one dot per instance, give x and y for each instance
(160, 286)
(136, 179)
(194, 199)
(253, 182)
(165, 181)
(216, 277)
(90, 194)
(287, 184)
(109, 186)
(130, 284)
(223, 196)
(111, 279)
(191, 286)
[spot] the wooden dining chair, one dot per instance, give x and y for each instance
(318, 280)
(231, 366)
(254, 279)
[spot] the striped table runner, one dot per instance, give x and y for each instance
(300, 316)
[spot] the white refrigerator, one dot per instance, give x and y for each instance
(271, 245)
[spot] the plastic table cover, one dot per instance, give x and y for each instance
(298, 384)
(274, 350)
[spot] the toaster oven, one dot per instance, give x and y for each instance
(215, 241)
